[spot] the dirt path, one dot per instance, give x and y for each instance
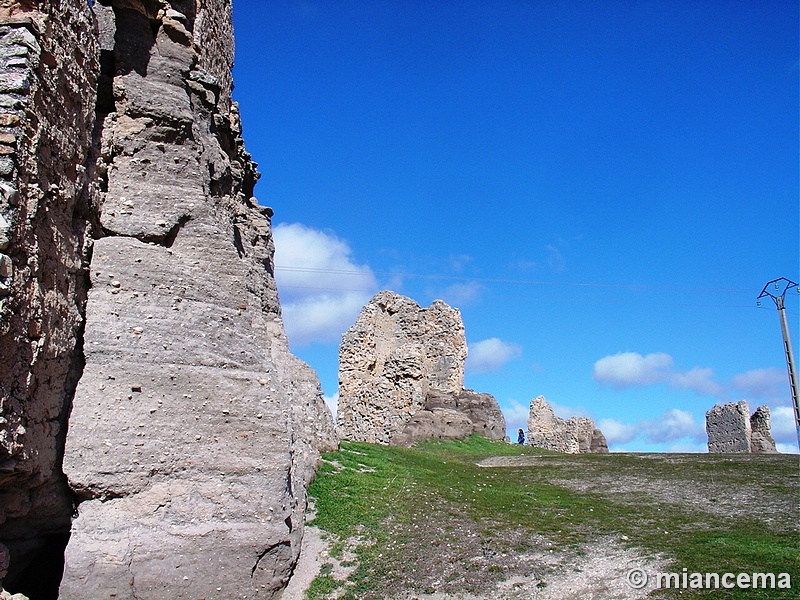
(312, 553)
(599, 572)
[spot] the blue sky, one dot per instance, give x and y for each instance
(602, 188)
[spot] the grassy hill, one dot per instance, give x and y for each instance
(484, 519)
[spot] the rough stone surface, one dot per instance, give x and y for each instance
(137, 301)
(728, 428)
(401, 376)
(576, 435)
(48, 64)
(448, 416)
(731, 429)
(761, 441)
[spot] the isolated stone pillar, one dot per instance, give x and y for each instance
(728, 428)
(761, 441)
(401, 376)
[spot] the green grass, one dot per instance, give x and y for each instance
(416, 505)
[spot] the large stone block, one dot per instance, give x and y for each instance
(761, 441)
(728, 428)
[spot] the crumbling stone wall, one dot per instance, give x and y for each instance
(137, 299)
(401, 376)
(731, 429)
(761, 441)
(48, 69)
(575, 435)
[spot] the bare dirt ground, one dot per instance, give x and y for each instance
(728, 497)
(598, 572)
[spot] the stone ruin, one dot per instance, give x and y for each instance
(576, 435)
(731, 429)
(152, 418)
(401, 376)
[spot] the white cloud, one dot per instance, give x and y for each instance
(459, 261)
(555, 260)
(671, 426)
(698, 380)
(516, 416)
(616, 432)
(628, 369)
(782, 424)
(786, 448)
(631, 369)
(675, 427)
(489, 355)
(322, 289)
(322, 317)
(333, 404)
(763, 383)
(460, 294)
(565, 412)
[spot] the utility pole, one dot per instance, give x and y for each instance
(781, 286)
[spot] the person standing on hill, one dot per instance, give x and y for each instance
(521, 438)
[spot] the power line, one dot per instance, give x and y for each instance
(510, 281)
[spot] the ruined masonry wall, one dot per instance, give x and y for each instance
(731, 429)
(48, 65)
(576, 435)
(401, 376)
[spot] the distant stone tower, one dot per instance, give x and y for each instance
(576, 435)
(731, 429)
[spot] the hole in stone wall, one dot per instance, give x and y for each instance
(133, 39)
(105, 84)
(41, 578)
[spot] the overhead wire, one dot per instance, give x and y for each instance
(512, 281)
(404, 275)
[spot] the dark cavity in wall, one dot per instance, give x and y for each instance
(41, 579)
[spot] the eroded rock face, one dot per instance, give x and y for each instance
(575, 435)
(194, 432)
(401, 376)
(137, 298)
(454, 416)
(731, 429)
